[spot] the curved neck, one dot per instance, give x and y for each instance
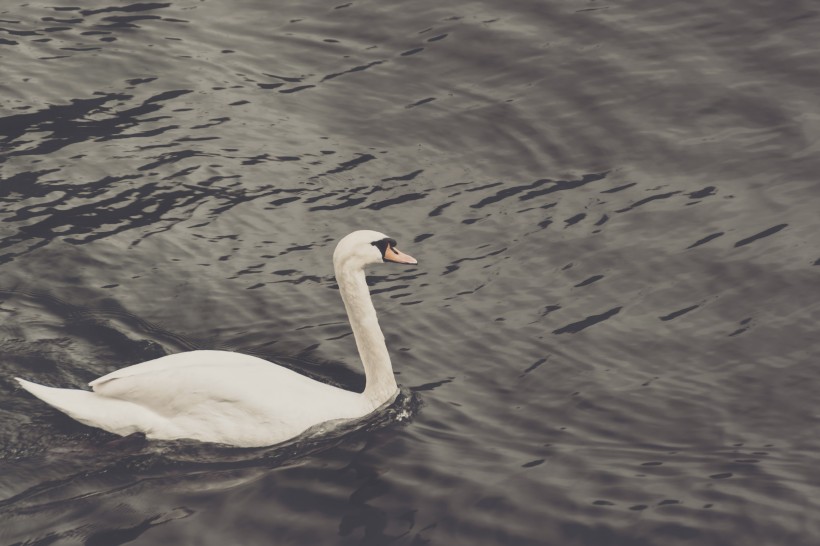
(380, 385)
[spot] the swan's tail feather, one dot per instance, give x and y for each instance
(117, 416)
(68, 401)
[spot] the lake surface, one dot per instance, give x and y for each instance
(610, 338)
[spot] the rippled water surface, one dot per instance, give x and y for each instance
(610, 338)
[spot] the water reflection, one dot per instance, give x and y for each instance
(191, 478)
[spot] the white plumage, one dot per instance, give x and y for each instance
(236, 399)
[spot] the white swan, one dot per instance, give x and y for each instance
(241, 400)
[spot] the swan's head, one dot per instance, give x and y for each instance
(365, 247)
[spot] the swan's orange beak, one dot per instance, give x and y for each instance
(393, 254)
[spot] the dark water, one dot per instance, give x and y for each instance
(611, 336)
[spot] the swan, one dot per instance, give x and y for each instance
(241, 400)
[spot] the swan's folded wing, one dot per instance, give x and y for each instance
(175, 361)
(186, 382)
(202, 382)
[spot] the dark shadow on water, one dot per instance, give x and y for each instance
(576, 327)
(115, 537)
(69, 124)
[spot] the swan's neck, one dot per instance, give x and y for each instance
(380, 385)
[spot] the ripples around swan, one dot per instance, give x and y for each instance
(610, 337)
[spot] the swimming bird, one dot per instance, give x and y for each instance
(241, 400)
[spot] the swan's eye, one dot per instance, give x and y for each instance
(383, 244)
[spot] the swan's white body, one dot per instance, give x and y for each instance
(236, 399)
